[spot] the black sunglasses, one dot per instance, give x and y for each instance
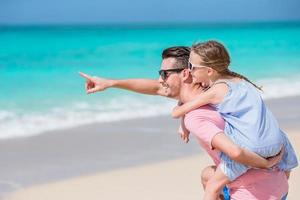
(164, 73)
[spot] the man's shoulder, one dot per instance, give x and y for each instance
(204, 114)
(203, 111)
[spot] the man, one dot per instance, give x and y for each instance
(175, 82)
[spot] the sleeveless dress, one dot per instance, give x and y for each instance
(251, 125)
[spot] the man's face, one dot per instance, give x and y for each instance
(172, 80)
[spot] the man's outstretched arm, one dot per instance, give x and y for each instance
(144, 86)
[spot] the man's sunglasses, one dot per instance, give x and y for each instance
(164, 73)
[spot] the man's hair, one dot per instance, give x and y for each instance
(180, 53)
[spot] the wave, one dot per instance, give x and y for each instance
(280, 87)
(22, 124)
(13, 124)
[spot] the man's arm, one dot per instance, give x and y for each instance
(144, 86)
(224, 143)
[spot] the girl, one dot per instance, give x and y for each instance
(249, 123)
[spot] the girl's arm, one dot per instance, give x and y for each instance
(200, 100)
(224, 143)
(212, 96)
(183, 131)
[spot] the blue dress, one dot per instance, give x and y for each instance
(250, 124)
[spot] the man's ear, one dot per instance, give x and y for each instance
(186, 75)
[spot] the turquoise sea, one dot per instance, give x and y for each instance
(40, 88)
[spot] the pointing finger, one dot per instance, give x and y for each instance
(85, 76)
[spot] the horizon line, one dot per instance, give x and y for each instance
(150, 24)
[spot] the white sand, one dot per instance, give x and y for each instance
(176, 179)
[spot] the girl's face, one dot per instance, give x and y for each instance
(200, 73)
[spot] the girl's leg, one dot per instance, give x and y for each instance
(215, 184)
(206, 174)
(284, 197)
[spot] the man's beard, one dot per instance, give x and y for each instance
(167, 90)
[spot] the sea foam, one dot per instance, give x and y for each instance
(18, 124)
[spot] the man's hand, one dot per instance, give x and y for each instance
(95, 84)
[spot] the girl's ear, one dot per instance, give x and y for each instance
(210, 71)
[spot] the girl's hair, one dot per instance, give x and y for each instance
(215, 55)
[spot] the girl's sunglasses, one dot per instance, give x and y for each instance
(191, 66)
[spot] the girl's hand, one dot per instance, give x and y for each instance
(183, 131)
(184, 134)
(273, 161)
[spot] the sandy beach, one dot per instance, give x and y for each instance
(133, 159)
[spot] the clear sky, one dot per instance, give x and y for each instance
(146, 11)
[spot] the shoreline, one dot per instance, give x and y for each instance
(107, 147)
(75, 115)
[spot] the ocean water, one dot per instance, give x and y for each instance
(40, 89)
